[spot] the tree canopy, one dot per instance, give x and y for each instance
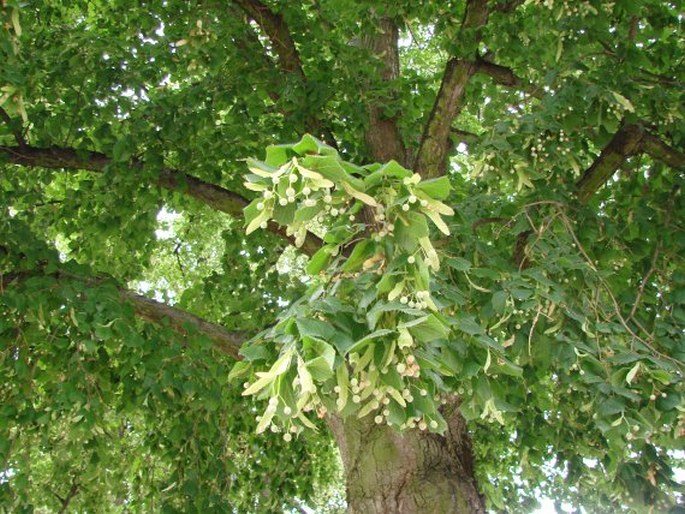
(229, 226)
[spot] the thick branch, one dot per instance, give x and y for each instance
(213, 195)
(659, 150)
(630, 140)
(156, 312)
(435, 142)
(276, 29)
(383, 136)
(509, 6)
(464, 136)
(501, 74)
(278, 33)
(151, 310)
(505, 76)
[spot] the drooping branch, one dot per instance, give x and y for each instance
(215, 196)
(383, 136)
(630, 140)
(150, 310)
(435, 143)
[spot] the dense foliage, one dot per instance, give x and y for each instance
(495, 216)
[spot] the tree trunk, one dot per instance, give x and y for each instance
(413, 472)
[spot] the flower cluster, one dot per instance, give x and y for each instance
(374, 222)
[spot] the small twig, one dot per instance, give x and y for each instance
(532, 329)
(643, 284)
(414, 39)
(72, 123)
(486, 221)
(177, 250)
(297, 507)
(610, 294)
(539, 233)
(632, 31)
(477, 288)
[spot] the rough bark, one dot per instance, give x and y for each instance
(412, 472)
(383, 136)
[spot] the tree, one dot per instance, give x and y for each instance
(455, 250)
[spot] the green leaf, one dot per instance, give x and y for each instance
(438, 188)
(331, 168)
(309, 144)
(391, 169)
(360, 344)
(362, 251)
(319, 260)
(430, 329)
(319, 368)
(469, 325)
(499, 301)
(409, 230)
(240, 369)
(278, 155)
(315, 328)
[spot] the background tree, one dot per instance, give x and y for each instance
(551, 337)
